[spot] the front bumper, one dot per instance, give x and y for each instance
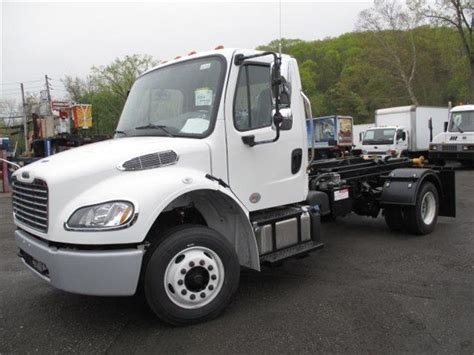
(88, 272)
(459, 155)
(373, 156)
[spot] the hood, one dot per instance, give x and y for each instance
(103, 158)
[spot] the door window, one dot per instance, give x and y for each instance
(253, 99)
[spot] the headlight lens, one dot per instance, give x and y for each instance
(433, 147)
(109, 215)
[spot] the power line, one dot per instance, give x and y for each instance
(19, 82)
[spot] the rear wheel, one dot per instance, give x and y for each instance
(421, 218)
(393, 217)
(191, 276)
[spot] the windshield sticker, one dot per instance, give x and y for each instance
(205, 66)
(457, 119)
(203, 97)
(195, 125)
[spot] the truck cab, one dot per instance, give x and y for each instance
(196, 145)
(382, 142)
(457, 142)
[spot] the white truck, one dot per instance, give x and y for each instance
(403, 131)
(208, 172)
(457, 143)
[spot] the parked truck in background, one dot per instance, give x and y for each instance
(208, 173)
(332, 136)
(457, 143)
(403, 131)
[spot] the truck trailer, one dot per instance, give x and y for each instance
(208, 173)
(403, 131)
(331, 136)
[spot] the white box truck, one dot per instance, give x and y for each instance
(403, 131)
(208, 172)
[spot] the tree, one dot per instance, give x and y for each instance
(392, 27)
(106, 88)
(454, 13)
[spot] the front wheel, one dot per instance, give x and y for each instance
(421, 218)
(191, 276)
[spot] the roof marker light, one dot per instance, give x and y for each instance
(192, 52)
(220, 46)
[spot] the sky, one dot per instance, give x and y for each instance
(68, 38)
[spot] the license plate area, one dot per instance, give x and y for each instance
(37, 265)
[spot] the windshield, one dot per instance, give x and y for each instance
(177, 100)
(462, 122)
(379, 136)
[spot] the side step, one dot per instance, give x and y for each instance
(280, 255)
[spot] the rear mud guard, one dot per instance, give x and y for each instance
(402, 185)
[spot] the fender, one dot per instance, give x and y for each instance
(402, 185)
(214, 199)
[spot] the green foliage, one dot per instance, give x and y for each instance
(106, 88)
(350, 75)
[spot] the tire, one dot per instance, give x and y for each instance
(191, 275)
(421, 218)
(393, 217)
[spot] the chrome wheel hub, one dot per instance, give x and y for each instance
(194, 277)
(428, 208)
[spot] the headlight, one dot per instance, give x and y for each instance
(104, 216)
(433, 147)
(364, 151)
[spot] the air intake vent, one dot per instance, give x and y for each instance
(150, 161)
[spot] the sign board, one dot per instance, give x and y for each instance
(344, 132)
(60, 105)
(82, 116)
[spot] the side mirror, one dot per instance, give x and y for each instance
(445, 126)
(404, 135)
(287, 119)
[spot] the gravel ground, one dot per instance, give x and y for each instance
(369, 290)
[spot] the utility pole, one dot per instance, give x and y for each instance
(25, 121)
(46, 79)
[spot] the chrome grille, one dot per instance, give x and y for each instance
(150, 161)
(449, 148)
(30, 203)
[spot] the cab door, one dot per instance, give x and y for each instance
(270, 174)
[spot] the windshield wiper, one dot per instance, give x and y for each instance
(458, 128)
(120, 132)
(154, 126)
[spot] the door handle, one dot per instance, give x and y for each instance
(296, 160)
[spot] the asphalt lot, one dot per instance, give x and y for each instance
(369, 290)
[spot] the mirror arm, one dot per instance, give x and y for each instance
(276, 82)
